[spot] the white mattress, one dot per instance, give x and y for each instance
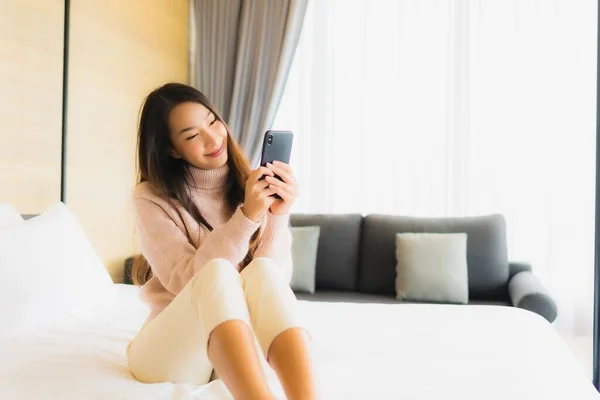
(363, 351)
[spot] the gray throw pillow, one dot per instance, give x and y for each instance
(305, 242)
(432, 267)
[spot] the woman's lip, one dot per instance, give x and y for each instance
(216, 153)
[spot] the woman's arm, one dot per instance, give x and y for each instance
(173, 258)
(276, 242)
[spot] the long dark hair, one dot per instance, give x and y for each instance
(170, 176)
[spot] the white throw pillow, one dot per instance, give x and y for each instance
(9, 215)
(49, 271)
(432, 267)
(305, 244)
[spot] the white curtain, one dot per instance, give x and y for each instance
(455, 108)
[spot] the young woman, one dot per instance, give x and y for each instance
(215, 260)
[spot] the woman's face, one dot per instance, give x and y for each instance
(197, 136)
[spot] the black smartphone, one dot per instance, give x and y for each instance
(277, 146)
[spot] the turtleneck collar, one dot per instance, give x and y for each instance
(209, 179)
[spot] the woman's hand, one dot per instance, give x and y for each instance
(286, 188)
(259, 195)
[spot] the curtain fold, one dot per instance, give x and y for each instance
(216, 39)
(243, 52)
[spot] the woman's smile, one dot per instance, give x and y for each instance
(217, 152)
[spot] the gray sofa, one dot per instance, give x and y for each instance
(356, 260)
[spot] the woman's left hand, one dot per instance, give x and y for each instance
(286, 188)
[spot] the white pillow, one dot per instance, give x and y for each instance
(48, 272)
(305, 244)
(9, 215)
(432, 267)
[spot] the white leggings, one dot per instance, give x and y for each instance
(173, 346)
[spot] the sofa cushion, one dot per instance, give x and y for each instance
(305, 244)
(432, 267)
(337, 254)
(330, 296)
(486, 251)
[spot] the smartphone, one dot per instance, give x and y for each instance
(277, 146)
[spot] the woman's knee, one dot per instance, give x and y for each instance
(217, 294)
(265, 270)
(217, 271)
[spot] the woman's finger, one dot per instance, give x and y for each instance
(284, 194)
(266, 171)
(282, 173)
(276, 182)
(284, 166)
(260, 185)
(259, 173)
(268, 193)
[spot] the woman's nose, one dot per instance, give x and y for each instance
(211, 138)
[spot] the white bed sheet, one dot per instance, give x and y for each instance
(363, 351)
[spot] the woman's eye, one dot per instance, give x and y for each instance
(191, 137)
(213, 121)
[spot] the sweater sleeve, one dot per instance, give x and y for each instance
(276, 242)
(173, 258)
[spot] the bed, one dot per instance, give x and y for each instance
(362, 351)
(64, 328)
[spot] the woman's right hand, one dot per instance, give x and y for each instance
(258, 195)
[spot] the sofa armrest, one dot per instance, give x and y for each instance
(514, 267)
(526, 291)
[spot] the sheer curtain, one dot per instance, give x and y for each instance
(454, 108)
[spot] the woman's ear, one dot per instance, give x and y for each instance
(173, 153)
